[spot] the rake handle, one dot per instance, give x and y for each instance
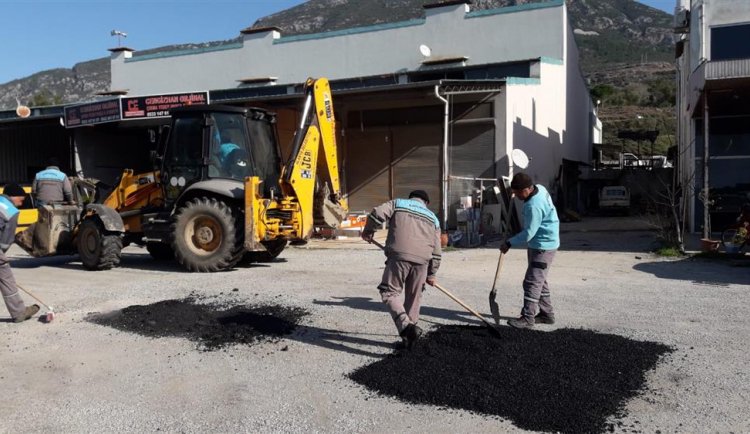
(33, 296)
(464, 305)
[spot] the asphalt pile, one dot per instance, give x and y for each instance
(210, 325)
(568, 380)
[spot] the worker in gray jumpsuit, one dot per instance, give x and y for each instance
(413, 251)
(51, 185)
(11, 198)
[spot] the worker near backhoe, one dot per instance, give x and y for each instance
(541, 235)
(413, 251)
(51, 185)
(12, 197)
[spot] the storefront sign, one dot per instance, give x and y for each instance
(154, 106)
(129, 108)
(92, 113)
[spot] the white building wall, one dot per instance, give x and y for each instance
(536, 120)
(482, 36)
(578, 108)
(704, 14)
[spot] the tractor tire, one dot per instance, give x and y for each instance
(160, 251)
(98, 249)
(204, 236)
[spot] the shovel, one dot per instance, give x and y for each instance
(494, 308)
(457, 300)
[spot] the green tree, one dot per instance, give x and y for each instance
(44, 98)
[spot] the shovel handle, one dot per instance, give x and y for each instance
(464, 305)
(497, 271)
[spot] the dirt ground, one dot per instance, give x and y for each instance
(77, 375)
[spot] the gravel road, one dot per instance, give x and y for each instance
(73, 375)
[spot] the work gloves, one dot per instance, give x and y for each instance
(504, 246)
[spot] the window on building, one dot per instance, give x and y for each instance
(730, 42)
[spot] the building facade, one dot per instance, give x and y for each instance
(437, 103)
(431, 103)
(713, 109)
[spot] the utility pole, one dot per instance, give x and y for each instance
(706, 155)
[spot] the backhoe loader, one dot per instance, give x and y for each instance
(221, 192)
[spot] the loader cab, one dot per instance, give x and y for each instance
(211, 142)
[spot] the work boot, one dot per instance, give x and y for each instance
(411, 334)
(521, 322)
(544, 318)
(400, 345)
(28, 313)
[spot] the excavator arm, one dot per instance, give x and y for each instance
(312, 173)
(310, 183)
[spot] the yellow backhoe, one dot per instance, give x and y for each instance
(221, 193)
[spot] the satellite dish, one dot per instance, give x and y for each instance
(23, 111)
(425, 50)
(519, 158)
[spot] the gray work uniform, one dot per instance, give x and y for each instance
(8, 223)
(535, 286)
(51, 185)
(413, 251)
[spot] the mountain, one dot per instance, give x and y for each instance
(626, 53)
(607, 31)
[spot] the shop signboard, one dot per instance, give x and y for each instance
(157, 106)
(129, 108)
(92, 113)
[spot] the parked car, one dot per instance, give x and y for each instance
(660, 161)
(614, 198)
(631, 160)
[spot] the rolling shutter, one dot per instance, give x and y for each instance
(368, 155)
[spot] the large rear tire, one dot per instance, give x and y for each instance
(98, 249)
(204, 237)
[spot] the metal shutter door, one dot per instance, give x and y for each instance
(416, 161)
(368, 156)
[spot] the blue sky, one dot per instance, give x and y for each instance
(43, 34)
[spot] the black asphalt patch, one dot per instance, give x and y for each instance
(207, 324)
(568, 380)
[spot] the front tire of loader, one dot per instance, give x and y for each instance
(204, 236)
(98, 249)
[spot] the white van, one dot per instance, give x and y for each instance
(615, 197)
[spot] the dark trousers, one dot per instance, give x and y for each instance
(535, 287)
(406, 277)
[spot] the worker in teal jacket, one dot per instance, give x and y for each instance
(541, 235)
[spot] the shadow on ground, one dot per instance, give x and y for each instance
(703, 271)
(369, 304)
(128, 261)
(568, 380)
